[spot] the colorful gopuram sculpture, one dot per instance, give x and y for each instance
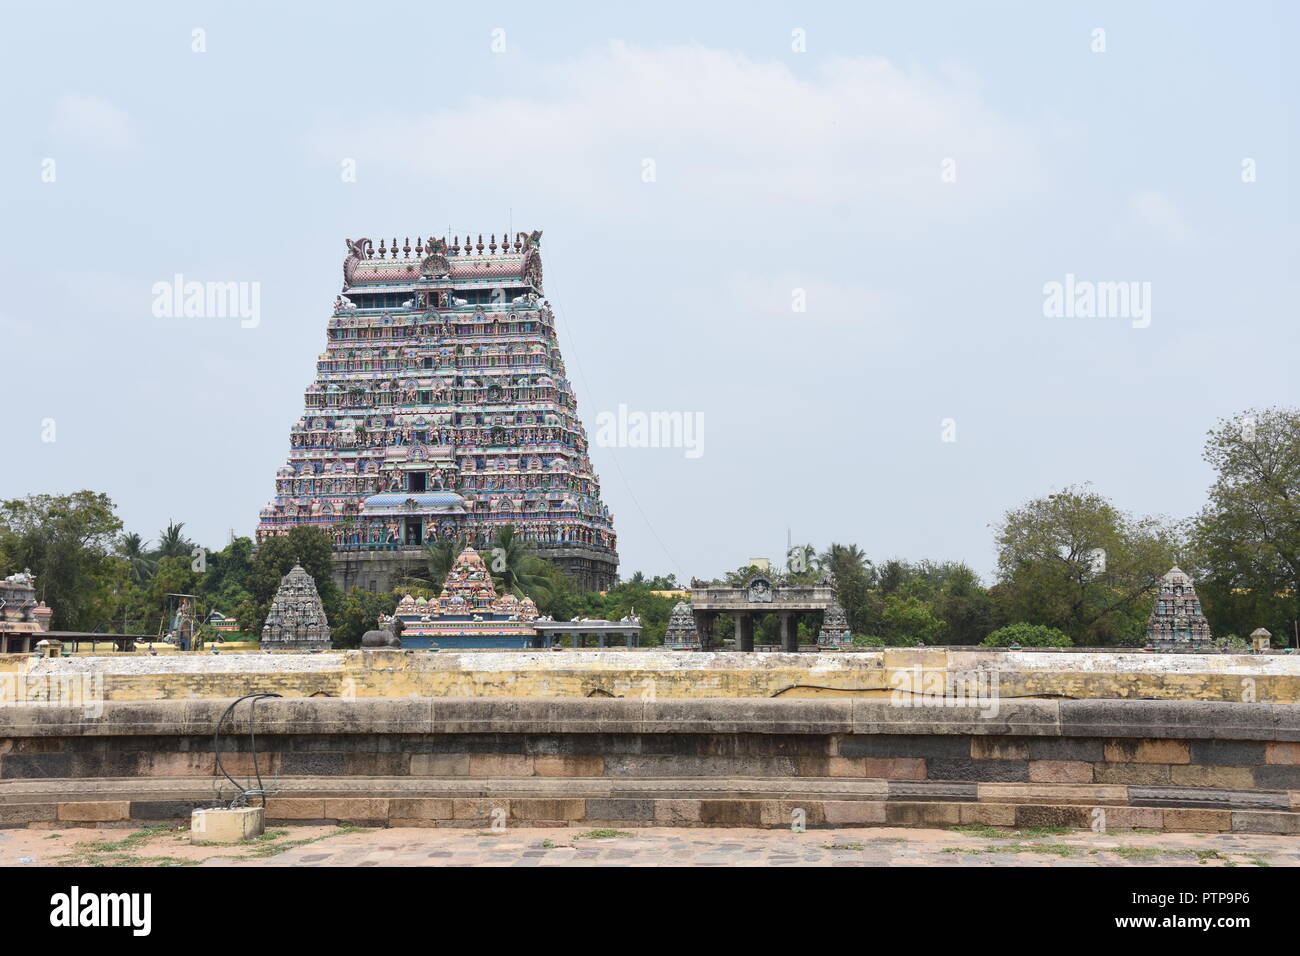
(1176, 622)
(22, 618)
(441, 409)
(468, 612)
(296, 621)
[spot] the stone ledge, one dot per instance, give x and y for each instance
(532, 715)
(740, 809)
(165, 791)
(1202, 720)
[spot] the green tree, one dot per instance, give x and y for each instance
(893, 574)
(908, 620)
(634, 596)
(67, 541)
(439, 558)
(1246, 540)
(359, 612)
(514, 566)
(662, 582)
(306, 545)
(1026, 635)
(224, 584)
(132, 549)
(172, 543)
(854, 577)
(802, 564)
(1073, 561)
(965, 607)
(557, 596)
(173, 575)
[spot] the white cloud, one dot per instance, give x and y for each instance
(857, 136)
(92, 120)
(1157, 212)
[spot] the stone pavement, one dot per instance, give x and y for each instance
(572, 846)
(741, 847)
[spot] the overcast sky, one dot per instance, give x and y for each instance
(915, 176)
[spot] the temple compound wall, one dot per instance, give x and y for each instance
(492, 761)
(655, 674)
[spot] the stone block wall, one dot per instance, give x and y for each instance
(480, 762)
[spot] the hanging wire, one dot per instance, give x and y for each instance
(243, 793)
(577, 361)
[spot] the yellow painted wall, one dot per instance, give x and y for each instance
(661, 674)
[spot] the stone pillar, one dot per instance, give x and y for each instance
(703, 628)
(744, 631)
(789, 633)
(600, 639)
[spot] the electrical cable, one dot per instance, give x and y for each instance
(243, 792)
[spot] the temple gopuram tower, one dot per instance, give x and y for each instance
(1176, 622)
(296, 620)
(441, 410)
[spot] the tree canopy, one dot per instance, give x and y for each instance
(1073, 561)
(1069, 563)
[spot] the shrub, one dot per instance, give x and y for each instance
(868, 640)
(1027, 635)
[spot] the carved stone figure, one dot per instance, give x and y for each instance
(357, 252)
(760, 591)
(384, 636)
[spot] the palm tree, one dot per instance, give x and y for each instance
(440, 558)
(173, 544)
(132, 548)
(845, 557)
(513, 564)
(802, 558)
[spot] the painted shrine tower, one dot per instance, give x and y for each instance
(1177, 621)
(441, 409)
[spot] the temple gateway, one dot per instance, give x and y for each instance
(754, 596)
(441, 410)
